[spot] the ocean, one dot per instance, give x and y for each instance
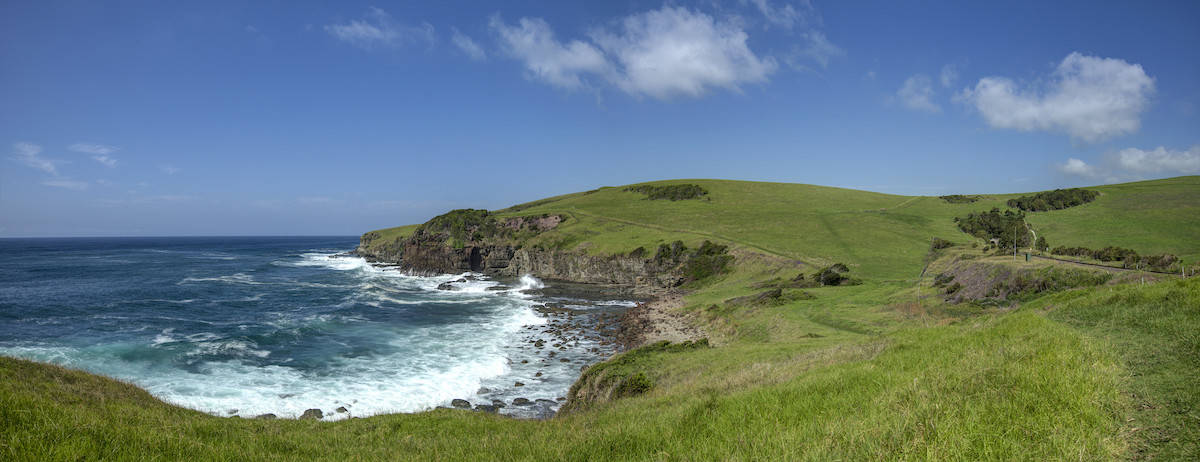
(246, 326)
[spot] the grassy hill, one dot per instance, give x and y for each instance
(863, 372)
(880, 235)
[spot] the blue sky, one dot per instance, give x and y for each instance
(160, 118)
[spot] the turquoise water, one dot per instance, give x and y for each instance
(247, 326)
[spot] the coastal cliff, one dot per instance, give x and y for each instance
(474, 240)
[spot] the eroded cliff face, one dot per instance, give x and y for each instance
(495, 253)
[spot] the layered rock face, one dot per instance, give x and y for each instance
(492, 250)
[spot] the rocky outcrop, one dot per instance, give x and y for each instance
(494, 248)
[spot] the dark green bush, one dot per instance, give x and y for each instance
(1057, 199)
(462, 225)
(959, 199)
(670, 253)
(633, 385)
(833, 275)
(939, 243)
(674, 192)
(1041, 244)
(709, 260)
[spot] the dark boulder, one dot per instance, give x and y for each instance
(461, 403)
(314, 414)
(522, 402)
(266, 416)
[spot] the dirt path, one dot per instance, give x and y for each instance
(656, 321)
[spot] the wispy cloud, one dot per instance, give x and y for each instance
(100, 152)
(379, 29)
(815, 48)
(1087, 97)
(170, 169)
(90, 148)
(917, 93)
(31, 155)
(468, 46)
(949, 75)
(66, 183)
(783, 14)
(664, 53)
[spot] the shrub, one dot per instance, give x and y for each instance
(633, 385)
(939, 243)
(1057, 199)
(710, 259)
(833, 275)
(1041, 244)
(670, 253)
(462, 225)
(1111, 253)
(959, 199)
(673, 192)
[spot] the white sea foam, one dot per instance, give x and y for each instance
(236, 278)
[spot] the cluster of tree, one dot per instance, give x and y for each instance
(674, 192)
(708, 260)
(959, 199)
(1057, 199)
(1005, 227)
(1128, 257)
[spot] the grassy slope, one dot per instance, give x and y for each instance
(881, 235)
(854, 373)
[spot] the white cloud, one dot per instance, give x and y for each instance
(1078, 167)
(917, 94)
(675, 51)
(170, 169)
(378, 28)
(559, 64)
(1160, 160)
(66, 183)
(1135, 164)
(468, 46)
(949, 75)
(30, 155)
(1087, 97)
(816, 48)
(660, 53)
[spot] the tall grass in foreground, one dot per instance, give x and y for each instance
(1156, 331)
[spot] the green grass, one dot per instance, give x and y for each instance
(851, 373)
(1156, 331)
(878, 235)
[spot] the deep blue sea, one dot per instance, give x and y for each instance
(247, 326)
